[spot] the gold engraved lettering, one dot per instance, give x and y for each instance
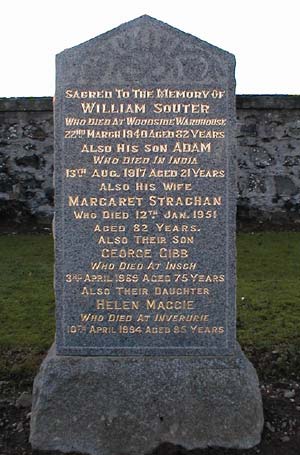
(89, 317)
(181, 291)
(88, 94)
(163, 173)
(166, 253)
(179, 108)
(207, 134)
(105, 160)
(72, 173)
(92, 291)
(131, 266)
(142, 93)
(119, 318)
(95, 134)
(130, 160)
(207, 330)
(165, 317)
(91, 148)
(198, 172)
(163, 227)
(169, 305)
(180, 201)
(139, 186)
(181, 265)
(157, 330)
(140, 158)
(130, 329)
(149, 240)
(156, 148)
(118, 240)
(132, 291)
(121, 148)
(102, 329)
(113, 108)
(114, 187)
(193, 147)
(182, 239)
(198, 278)
(160, 278)
(200, 94)
(100, 173)
(173, 186)
(126, 278)
(102, 266)
(115, 215)
(143, 318)
(116, 305)
(109, 228)
(130, 201)
(126, 253)
(81, 215)
(153, 265)
(186, 121)
(183, 160)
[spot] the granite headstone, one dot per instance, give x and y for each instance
(145, 250)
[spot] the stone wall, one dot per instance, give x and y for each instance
(26, 160)
(268, 155)
(269, 159)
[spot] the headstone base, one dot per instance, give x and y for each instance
(121, 405)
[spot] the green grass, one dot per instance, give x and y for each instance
(268, 293)
(27, 299)
(268, 296)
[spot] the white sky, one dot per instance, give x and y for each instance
(263, 35)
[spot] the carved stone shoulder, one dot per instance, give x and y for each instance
(148, 51)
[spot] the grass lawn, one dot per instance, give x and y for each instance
(268, 291)
(268, 296)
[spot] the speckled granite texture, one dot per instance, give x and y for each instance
(127, 394)
(105, 405)
(149, 54)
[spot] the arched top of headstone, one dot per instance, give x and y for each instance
(145, 50)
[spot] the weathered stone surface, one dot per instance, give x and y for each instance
(24, 400)
(105, 405)
(167, 368)
(26, 160)
(268, 151)
(170, 77)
